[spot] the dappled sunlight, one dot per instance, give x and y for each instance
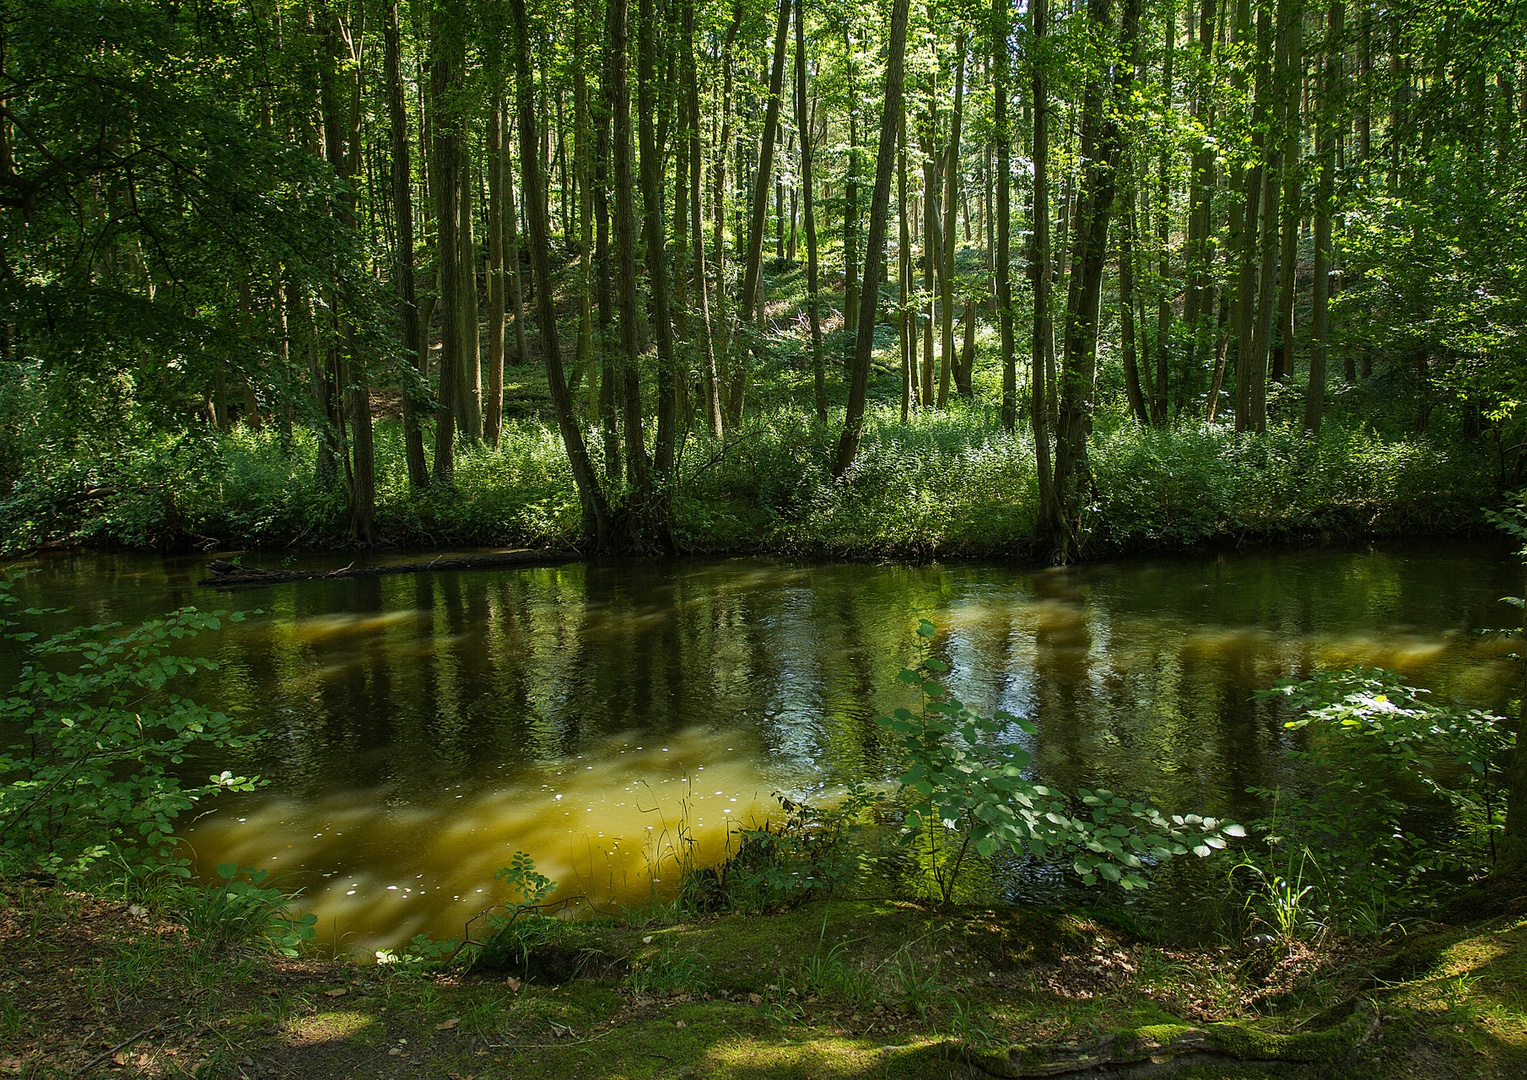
(613, 827)
(326, 1027)
(422, 728)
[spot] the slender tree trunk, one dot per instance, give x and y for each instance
(874, 251)
(697, 233)
(933, 266)
(808, 149)
(1039, 32)
(609, 373)
(851, 203)
(493, 412)
(618, 98)
(909, 391)
(1003, 135)
(1325, 149)
(1127, 329)
(1198, 302)
(1164, 336)
(403, 249)
(967, 349)
(596, 513)
(469, 388)
(582, 151)
(1288, 260)
(656, 245)
(751, 280)
(1246, 291)
(951, 237)
(1272, 176)
(448, 48)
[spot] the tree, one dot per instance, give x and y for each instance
(885, 161)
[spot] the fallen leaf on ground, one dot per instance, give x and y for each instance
(514, 984)
(446, 1025)
(337, 992)
(679, 1024)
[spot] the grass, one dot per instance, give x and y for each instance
(847, 989)
(948, 483)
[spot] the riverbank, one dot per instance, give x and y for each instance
(947, 484)
(93, 986)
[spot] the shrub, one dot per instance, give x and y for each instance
(970, 799)
(104, 736)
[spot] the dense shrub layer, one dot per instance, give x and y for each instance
(947, 483)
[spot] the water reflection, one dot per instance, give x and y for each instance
(423, 728)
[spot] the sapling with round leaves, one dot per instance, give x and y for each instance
(970, 797)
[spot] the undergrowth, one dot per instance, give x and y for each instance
(947, 483)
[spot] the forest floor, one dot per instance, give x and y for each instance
(90, 986)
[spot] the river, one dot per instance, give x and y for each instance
(422, 728)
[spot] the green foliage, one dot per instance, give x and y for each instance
(778, 865)
(240, 908)
(1407, 797)
(945, 483)
(520, 928)
(969, 797)
(106, 741)
(1184, 486)
(668, 970)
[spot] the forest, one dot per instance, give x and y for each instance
(763, 538)
(842, 278)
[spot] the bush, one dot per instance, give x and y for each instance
(104, 738)
(970, 799)
(1406, 800)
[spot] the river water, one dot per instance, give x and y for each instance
(422, 728)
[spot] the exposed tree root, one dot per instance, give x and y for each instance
(1168, 1048)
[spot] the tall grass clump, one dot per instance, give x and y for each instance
(1176, 488)
(944, 483)
(520, 493)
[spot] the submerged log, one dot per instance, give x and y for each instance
(222, 574)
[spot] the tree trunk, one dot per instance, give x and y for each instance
(1198, 302)
(874, 251)
(1039, 31)
(655, 240)
(1002, 134)
(493, 412)
(1248, 380)
(596, 512)
(618, 101)
(448, 48)
(751, 281)
(1325, 148)
(469, 386)
(951, 236)
(697, 233)
(1288, 263)
(909, 392)
(851, 203)
(412, 333)
(1099, 158)
(808, 148)
(582, 151)
(1127, 331)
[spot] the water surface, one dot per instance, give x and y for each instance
(422, 728)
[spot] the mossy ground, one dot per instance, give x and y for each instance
(94, 986)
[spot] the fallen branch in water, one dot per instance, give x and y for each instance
(222, 574)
